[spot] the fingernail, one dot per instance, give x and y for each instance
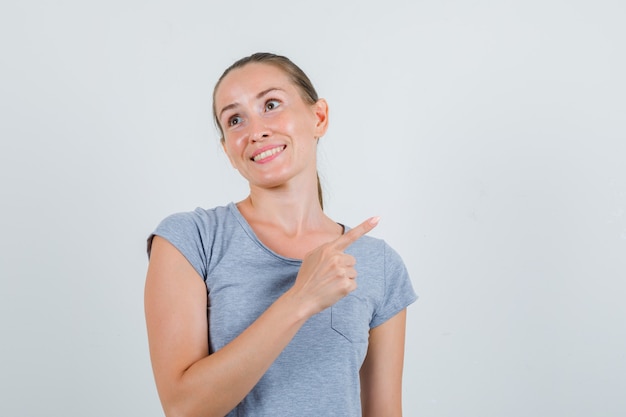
(374, 220)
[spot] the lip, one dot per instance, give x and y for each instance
(279, 148)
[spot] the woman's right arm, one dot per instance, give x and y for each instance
(191, 382)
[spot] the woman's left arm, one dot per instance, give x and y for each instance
(381, 372)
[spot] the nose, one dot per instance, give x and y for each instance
(257, 129)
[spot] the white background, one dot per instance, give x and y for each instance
(489, 135)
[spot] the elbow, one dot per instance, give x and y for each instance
(183, 397)
(178, 406)
(183, 407)
(174, 409)
(178, 410)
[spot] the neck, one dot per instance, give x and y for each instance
(292, 208)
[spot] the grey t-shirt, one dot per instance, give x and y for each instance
(317, 374)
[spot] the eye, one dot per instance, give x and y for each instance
(234, 120)
(271, 104)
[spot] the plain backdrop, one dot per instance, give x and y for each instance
(489, 135)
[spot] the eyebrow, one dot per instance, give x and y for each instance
(258, 96)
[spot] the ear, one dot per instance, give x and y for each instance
(320, 109)
(223, 142)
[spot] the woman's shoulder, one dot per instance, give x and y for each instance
(374, 250)
(199, 224)
(199, 216)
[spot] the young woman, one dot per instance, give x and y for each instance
(267, 307)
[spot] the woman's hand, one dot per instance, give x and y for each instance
(327, 273)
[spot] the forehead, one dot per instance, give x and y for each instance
(249, 80)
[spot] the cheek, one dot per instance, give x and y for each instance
(232, 150)
(299, 125)
(233, 142)
(289, 125)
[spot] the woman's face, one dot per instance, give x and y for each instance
(270, 132)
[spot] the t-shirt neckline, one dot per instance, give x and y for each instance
(232, 207)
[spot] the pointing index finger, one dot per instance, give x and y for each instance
(355, 233)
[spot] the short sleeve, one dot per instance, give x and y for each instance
(398, 293)
(186, 233)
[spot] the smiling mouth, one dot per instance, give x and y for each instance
(268, 153)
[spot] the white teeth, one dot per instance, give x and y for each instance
(268, 153)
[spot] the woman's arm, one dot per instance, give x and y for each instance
(381, 373)
(191, 382)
